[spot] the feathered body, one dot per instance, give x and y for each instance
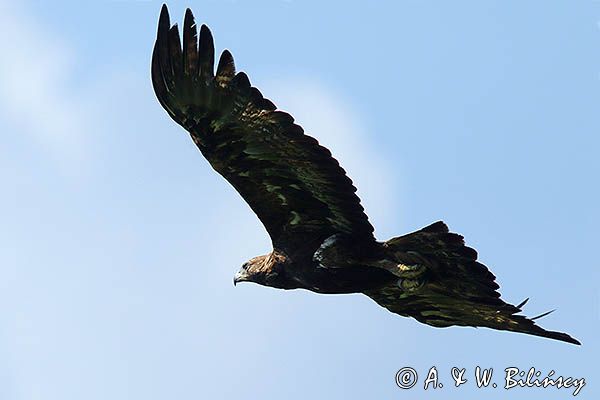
(322, 239)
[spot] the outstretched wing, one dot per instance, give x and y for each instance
(294, 185)
(457, 289)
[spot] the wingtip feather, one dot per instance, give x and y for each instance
(521, 304)
(226, 67)
(563, 337)
(190, 44)
(206, 52)
(189, 15)
(164, 21)
(164, 9)
(542, 315)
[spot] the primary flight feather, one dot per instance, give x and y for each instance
(322, 239)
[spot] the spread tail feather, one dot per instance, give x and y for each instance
(456, 289)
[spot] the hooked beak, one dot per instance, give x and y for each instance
(238, 277)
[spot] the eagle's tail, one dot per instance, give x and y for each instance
(458, 290)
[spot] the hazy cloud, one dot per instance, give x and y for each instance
(35, 96)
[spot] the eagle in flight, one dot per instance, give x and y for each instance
(322, 239)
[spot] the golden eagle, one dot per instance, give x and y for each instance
(322, 239)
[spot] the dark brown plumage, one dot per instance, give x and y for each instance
(321, 237)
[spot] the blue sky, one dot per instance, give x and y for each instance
(119, 242)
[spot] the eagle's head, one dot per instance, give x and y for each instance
(266, 270)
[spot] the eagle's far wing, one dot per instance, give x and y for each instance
(458, 289)
(442, 309)
(298, 190)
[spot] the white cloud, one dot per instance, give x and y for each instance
(338, 126)
(34, 93)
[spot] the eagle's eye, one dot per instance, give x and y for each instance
(245, 265)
